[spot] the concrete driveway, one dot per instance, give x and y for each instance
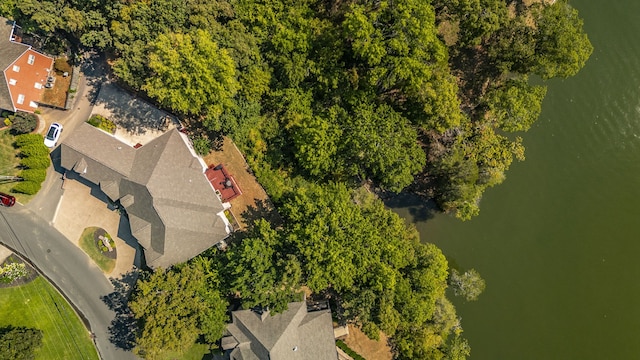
(83, 205)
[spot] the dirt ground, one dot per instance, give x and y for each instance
(253, 195)
(367, 348)
(57, 95)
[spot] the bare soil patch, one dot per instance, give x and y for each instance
(57, 95)
(367, 348)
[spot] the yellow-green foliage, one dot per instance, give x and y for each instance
(27, 187)
(102, 123)
(35, 175)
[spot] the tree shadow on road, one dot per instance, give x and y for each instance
(122, 331)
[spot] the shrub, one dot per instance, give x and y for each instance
(27, 187)
(62, 65)
(348, 350)
(35, 175)
(34, 150)
(95, 120)
(7, 122)
(102, 123)
(201, 145)
(11, 272)
(19, 343)
(24, 139)
(24, 123)
(35, 162)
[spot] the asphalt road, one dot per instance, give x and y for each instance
(28, 231)
(68, 268)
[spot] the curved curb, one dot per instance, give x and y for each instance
(85, 321)
(41, 125)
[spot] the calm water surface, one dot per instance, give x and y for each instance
(559, 243)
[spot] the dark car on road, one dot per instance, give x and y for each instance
(7, 200)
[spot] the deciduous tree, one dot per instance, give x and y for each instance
(19, 343)
(192, 75)
(174, 307)
(516, 105)
(468, 284)
(562, 46)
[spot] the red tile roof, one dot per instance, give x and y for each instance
(26, 78)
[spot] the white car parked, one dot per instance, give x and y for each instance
(53, 134)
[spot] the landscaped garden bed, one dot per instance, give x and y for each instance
(102, 123)
(27, 275)
(100, 247)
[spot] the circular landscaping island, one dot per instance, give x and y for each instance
(100, 247)
(104, 243)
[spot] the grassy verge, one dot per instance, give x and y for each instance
(8, 165)
(38, 305)
(87, 244)
(196, 352)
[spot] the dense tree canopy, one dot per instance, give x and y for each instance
(345, 243)
(174, 308)
(335, 90)
(324, 97)
(19, 343)
(191, 75)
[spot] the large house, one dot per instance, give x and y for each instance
(173, 210)
(23, 71)
(295, 334)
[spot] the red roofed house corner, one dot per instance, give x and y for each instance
(24, 71)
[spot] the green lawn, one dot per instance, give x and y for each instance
(196, 352)
(38, 305)
(8, 165)
(86, 243)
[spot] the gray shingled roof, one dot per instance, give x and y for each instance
(171, 205)
(9, 52)
(294, 334)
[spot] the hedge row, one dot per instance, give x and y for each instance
(348, 350)
(25, 139)
(35, 175)
(27, 187)
(35, 160)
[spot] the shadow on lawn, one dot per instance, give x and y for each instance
(122, 331)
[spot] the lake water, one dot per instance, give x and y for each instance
(558, 243)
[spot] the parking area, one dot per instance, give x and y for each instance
(82, 206)
(138, 121)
